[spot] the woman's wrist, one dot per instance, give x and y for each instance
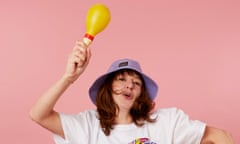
(66, 79)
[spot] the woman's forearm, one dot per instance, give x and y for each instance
(45, 104)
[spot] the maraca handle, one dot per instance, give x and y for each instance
(87, 39)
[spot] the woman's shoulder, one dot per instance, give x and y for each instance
(87, 113)
(90, 112)
(167, 112)
(83, 115)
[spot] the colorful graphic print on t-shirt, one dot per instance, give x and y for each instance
(142, 141)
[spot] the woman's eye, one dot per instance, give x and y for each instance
(121, 79)
(137, 83)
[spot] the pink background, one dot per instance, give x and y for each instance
(191, 48)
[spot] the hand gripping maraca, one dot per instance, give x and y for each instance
(98, 17)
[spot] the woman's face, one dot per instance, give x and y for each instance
(126, 89)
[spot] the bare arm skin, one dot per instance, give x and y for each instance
(42, 112)
(216, 136)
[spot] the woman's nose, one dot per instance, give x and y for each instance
(129, 84)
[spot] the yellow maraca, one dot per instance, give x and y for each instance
(98, 17)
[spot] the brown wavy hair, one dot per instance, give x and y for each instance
(107, 108)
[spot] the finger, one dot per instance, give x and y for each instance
(79, 53)
(88, 53)
(81, 44)
(80, 60)
(87, 58)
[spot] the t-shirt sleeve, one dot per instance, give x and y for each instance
(75, 128)
(185, 129)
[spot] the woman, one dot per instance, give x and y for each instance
(124, 98)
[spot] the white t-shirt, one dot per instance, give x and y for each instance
(173, 126)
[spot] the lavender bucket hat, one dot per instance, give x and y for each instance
(120, 64)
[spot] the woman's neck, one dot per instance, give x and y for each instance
(123, 118)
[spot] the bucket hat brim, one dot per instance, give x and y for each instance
(151, 86)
